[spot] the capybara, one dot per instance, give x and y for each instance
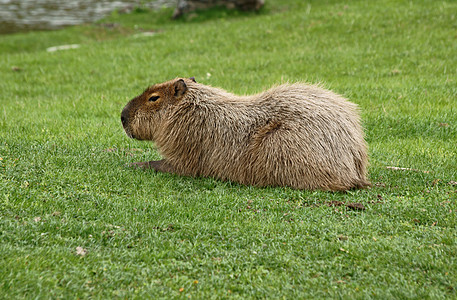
(296, 135)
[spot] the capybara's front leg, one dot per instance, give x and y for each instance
(157, 165)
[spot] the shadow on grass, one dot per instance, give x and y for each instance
(218, 13)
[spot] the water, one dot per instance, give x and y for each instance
(25, 15)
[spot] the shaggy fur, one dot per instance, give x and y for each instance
(295, 135)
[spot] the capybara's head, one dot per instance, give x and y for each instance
(144, 114)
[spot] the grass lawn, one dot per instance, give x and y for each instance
(76, 223)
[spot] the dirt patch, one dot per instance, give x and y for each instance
(170, 227)
(355, 206)
(350, 205)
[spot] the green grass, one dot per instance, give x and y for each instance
(63, 183)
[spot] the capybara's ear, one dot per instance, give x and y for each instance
(180, 88)
(193, 79)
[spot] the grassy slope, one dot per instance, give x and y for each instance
(62, 150)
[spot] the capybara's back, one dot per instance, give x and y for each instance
(295, 135)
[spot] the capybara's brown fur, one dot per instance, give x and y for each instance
(295, 135)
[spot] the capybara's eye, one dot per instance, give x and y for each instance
(154, 98)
